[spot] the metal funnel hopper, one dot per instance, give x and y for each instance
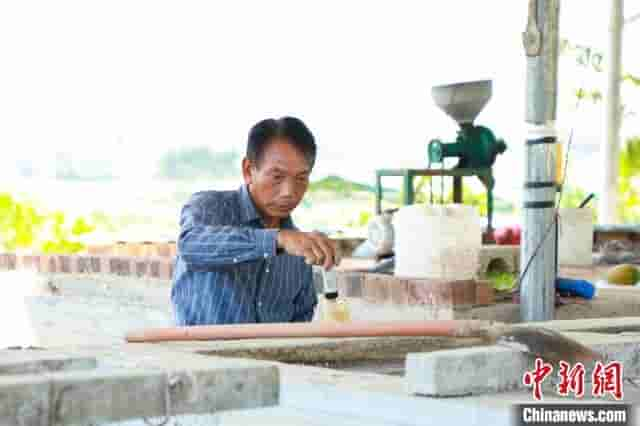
(462, 101)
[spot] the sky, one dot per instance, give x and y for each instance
(132, 79)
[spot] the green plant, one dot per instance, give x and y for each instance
(629, 181)
(362, 220)
(22, 226)
(591, 59)
(19, 223)
(502, 281)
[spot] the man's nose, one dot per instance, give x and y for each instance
(288, 188)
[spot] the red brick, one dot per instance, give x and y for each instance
(48, 264)
(11, 261)
(81, 265)
(29, 262)
(433, 292)
(166, 269)
(4, 261)
(120, 265)
(173, 250)
(162, 249)
(350, 284)
(95, 264)
(459, 292)
(484, 293)
(105, 264)
(148, 249)
(154, 268)
(43, 263)
(377, 287)
(65, 264)
(399, 292)
(100, 250)
(141, 267)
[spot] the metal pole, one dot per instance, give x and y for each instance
(610, 144)
(537, 291)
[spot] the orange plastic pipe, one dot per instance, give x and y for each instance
(442, 328)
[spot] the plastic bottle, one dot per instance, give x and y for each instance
(334, 308)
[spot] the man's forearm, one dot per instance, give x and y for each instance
(210, 246)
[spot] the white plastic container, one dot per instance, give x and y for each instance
(437, 241)
(575, 237)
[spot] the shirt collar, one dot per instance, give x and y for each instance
(250, 212)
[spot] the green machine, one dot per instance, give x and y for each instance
(475, 147)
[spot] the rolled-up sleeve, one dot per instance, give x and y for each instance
(204, 244)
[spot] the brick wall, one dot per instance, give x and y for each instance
(158, 267)
(381, 289)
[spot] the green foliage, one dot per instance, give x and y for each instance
(198, 162)
(631, 79)
(22, 226)
(585, 56)
(363, 219)
(502, 281)
(469, 197)
(19, 223)
(629, 181)
(630, 159)
(628, 186)
(594, 95)
(339, 186)
(478, 200)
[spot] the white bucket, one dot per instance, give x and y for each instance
(437, 241)
(575, 237)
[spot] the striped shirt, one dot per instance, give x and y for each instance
(228, 269)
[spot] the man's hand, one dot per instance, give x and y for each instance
(315, 247)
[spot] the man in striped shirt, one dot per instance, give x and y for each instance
(240, 257)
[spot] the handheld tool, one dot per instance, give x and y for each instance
(545, 343)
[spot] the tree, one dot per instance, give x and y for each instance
(198, 162)
(629, 160)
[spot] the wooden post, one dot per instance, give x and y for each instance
(537, 297)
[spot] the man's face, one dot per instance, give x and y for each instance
(280, 181)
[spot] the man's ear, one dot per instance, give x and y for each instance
(246, 171)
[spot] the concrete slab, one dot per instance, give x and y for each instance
(494, 368)
(464, 371)
(272, 416)
(24, 400)
(99, 396)
(130, 381)
(603, 325)
(385, 399)
(35, 362)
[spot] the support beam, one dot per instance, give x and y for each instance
(610, 144)
(537, 291)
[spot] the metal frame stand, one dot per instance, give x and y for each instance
(485, 175)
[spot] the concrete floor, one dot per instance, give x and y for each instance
(98, 311)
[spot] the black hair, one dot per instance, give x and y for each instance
(290, 129)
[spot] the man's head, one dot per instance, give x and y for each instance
(279, 159)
